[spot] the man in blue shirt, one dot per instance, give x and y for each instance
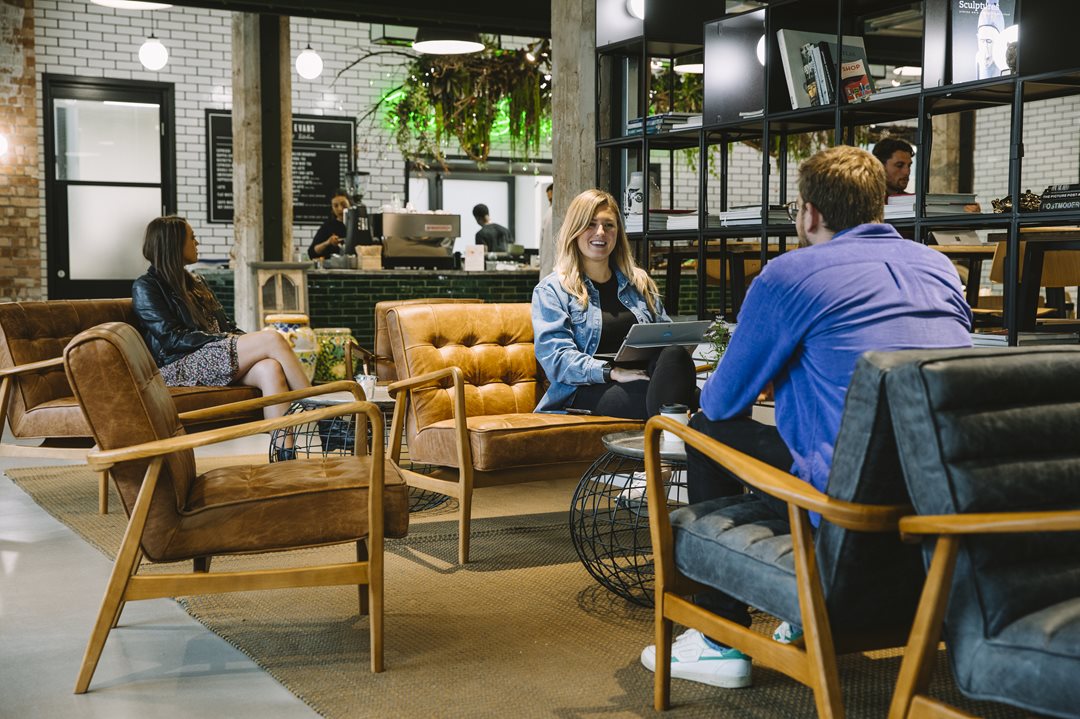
(854, 285)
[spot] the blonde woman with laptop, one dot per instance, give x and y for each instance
(586, 306)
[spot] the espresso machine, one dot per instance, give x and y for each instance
(417, 239)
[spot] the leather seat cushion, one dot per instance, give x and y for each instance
(62, 417)
(738, 545)
(506, 441)
(1038, 651)
(284, 505)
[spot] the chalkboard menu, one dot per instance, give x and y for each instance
(322, 157)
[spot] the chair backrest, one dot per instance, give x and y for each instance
(492, 345)
(385, 368)
(37, 331)
(871, 580)
(993, 431)
(126, 402)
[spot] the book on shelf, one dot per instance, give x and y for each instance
(1058, 205)
(899, 212)
(977, 44)
(950, 198)
(855, 82)
(658, 123)
(885, 92)
(692, 121)
(1075, 187)
(1000, 338)
(689, 221)
(900, 200)
(751, 215)
(799, 73)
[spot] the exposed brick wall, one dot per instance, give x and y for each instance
(76, 37)
(20, 255)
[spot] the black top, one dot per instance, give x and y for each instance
(331, 227)
(166, 324)
(495, 237)
(615, 317)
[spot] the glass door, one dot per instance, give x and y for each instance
(110, 171)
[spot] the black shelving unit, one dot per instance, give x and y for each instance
(745, 99)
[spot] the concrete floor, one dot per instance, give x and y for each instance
(160, 662)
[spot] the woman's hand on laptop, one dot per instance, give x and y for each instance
(621, 374)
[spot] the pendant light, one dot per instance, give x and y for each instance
(153, 55)
(308, 63)
(442, 41)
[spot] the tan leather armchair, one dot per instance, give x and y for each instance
(469, 383)
(381, 360)
(176, 514)
(35, 398)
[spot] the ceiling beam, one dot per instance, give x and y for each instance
(494, 17)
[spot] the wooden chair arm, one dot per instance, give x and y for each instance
(104, 459)
(30, 367)
(410, 383)
(780, 484)
(996, 523)
(248, 405)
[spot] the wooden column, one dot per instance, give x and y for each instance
(262, 151)
(20, 220)
(573, 118)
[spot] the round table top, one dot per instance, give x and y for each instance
(632, 444)
(381, 398)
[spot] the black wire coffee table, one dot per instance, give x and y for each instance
(335, 437)
(609, 514)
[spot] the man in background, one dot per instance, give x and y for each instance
(895, 156)
(492, 235)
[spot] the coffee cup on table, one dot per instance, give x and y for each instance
(367, 383)
(678, 412)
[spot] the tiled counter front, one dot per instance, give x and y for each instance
(346, 298)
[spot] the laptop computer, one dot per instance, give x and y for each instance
(955, 237)
(644, 341)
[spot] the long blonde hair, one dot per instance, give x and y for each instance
(569, 265)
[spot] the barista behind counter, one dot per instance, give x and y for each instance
(331, 234)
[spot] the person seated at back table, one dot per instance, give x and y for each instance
(192, 340)
(854, 285)
(586, 306)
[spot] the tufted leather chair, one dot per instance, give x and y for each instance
(383, 358)
(176, 513)
(36, 394)
(988, 440)
(469, 383)
(852, 585)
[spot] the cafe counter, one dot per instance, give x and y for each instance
(346, 298)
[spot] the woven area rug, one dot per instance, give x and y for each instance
(522, 631)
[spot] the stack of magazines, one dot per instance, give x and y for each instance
(659, 123)
(899, 206)
(1000, 338)
(751, 215)
(689, 221)
(948, 203)
(657, 221)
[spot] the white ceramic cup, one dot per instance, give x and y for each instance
(678, 412)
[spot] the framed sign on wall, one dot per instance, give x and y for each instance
(322, 157)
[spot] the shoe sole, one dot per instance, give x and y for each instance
(649, 662)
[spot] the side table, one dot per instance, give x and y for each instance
(334, 437)
(609, 514)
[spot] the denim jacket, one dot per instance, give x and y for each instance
(566, 335)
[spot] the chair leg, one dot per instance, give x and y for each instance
(375, 614)
(201, 565)
(109, 613)
(820, 651)
(134, 571)
(464, 524)
(662, 675)
(103, 492)
(362, 590)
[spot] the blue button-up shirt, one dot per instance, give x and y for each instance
(566, 335)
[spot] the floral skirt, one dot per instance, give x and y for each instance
(215, 364)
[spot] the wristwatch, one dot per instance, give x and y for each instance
(607, 371)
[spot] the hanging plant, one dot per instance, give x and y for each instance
(472, 98)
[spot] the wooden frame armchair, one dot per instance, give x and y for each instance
(851, 586)
(176, 514)
(469, 385)
(990, 457)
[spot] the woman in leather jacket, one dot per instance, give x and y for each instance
(187, 331)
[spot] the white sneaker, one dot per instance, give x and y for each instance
(787, 634)
(693, 659)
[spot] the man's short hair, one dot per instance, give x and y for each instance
(846, 184)
(480, 212)
(884, 150)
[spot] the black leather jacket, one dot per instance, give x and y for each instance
(165, 322)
